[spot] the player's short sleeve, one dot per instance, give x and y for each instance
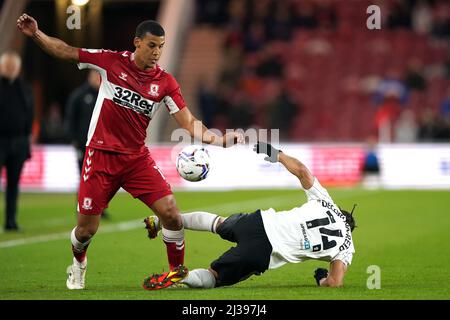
(345, 256)
(317, 192)
(173, 98)
(97, 59)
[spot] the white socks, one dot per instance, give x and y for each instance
(174, 236)
(200, 221)
(197, 220)
(200, 278)
(77, 245)
(78, 248)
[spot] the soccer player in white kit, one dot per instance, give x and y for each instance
(268, 239)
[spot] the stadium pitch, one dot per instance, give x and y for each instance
(403, 233)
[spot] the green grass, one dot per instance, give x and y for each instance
(405, 233)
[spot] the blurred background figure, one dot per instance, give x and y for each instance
(405, 129)
(391, 85)
(371, 165)
(52, 126)
(445, 105)
(16, 119)
(79, 110)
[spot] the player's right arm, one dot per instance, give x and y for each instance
(293, 165)
(53, 46)
(334, 278)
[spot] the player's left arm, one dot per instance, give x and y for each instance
(195, 127)
(293, 165)
(334, 278)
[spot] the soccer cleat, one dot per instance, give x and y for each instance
(77, 273)
(178, 285)
(152, 226)
(167, 279)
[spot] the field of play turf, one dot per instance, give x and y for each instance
(404, 233)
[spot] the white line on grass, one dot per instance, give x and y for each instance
(228, 208)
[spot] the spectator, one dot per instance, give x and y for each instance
(207, 102)
(447, 65)
(445, 105)
(282, 111)
(371, 165)
(400, 15)
(386, 116)
(255, 37)
(212, 11)
(280, 27)
(391, 85)
(79, 110)
(260, 10)
(326, 15)
(304, 15)
(422, 17)
(232, 67)
(443, 129)
(52, 127)
(224, 92)
(239, 111)
(441, 24)
(270, 64)
(428, 126)
(234, 35)
(405, 129)
(16, 118)
(414, 76)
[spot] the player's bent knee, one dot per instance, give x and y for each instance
(172, 219)
(170, 213)
(85, 233)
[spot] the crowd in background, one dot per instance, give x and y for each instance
(254, 87)
(252, 91)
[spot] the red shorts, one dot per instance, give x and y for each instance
(105, 172)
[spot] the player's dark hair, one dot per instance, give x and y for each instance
(349, 218)
(149, 26)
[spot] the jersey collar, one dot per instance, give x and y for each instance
(150, 72)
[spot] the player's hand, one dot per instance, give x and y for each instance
(263, 147)
(232, 138)
(27, 24)
(319, 274)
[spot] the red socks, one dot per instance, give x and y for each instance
(174, 241)
(79, 249)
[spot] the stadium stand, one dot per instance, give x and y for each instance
(329, 63)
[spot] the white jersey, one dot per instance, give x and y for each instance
(316, 230)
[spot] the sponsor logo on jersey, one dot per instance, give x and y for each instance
(305, 244)
(133, 100)
(154, 88)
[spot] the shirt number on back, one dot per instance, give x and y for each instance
(325, 232)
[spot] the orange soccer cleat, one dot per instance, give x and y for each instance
(167, 279)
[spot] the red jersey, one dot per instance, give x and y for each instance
(128, 98)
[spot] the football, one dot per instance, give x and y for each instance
(193, 163)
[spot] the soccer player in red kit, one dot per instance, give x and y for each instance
(133, 88)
